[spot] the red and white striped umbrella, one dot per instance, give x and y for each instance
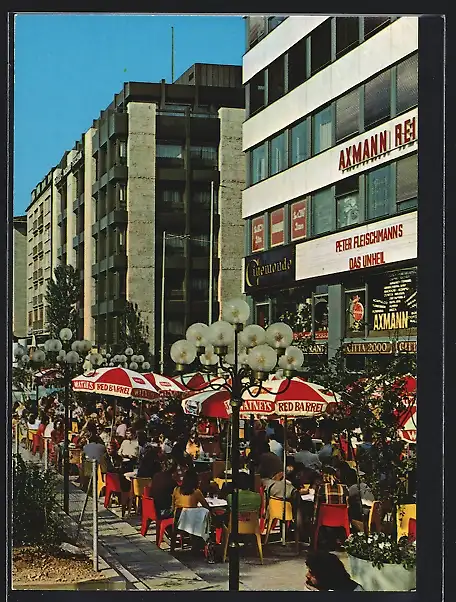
(116, 381)
(299, 399)
(48, 375)
(194, 380)
(163, 383)
(408, 423)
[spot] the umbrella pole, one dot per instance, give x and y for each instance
(228, 445)
(284, 524)
(114, 411)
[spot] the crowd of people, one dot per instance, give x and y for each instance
(165, 448)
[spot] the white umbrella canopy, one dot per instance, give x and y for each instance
(116, 381)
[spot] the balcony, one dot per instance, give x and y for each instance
(118, 124)
(116, 306)
(117, 262)
(118, 172)
(118, 216)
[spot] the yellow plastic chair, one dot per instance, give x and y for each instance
(351, 463)
(137, 490)
(100, 481)
(274, 512)
(248, 524)
(404, 514)
(220, 482)
(30, 434)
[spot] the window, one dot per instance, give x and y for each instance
(347, 34)
(299, 142)
(297, 65)
(348, 202)
(256, 29)
(320, 47)
(276, 79)
(258, 170)
(171, 199)
(378, 192)
(123, 152)
(169, 151)
(278, 154)
(257, 91)
(322, 211)
(175, 327)
(407, 84)
(347, 115)
(202, 198)
(374, 24)
(273, 22)
(407, 183)
(122, 196)
(377, 99)
(320, 311)
(200, 287)
(175, 245)
(205, 153)
(322, 130)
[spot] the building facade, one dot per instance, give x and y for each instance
(330, 206)
(20, 276)
(41, 258)
(148, 171)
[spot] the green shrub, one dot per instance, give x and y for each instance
(34, 504)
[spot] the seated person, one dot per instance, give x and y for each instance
(249, 501)
(328, 490)
(129, 450)
(111, 461)
(149, 463)
(94, 449)
(163, 486)
(326, 572)
(306, 456)
(269, 463)
(356, 510)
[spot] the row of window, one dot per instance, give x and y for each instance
(386, 190)
(325, 44)
(388, 94)
(176, 151)
(258, 27)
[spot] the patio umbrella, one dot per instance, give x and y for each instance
(116, 381)
(48, 375)
(163, 383)
(195, 380)
(297, 399)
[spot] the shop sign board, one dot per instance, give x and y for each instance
(277, 227)
(379, 347)
(299, 219)
(378, 144)
(271, 268)
(258, 234)
(393, 301)
(380, 243)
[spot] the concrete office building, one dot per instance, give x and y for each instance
(147, 166)
(331, 136)
(20, 276)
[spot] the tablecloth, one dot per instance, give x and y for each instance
(195, 521)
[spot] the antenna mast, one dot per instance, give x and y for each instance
(172, 54)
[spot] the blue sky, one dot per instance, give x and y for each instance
(68, 68)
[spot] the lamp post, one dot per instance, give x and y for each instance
(60, 353)
(245, 356)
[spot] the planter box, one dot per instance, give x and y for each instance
(390, 578)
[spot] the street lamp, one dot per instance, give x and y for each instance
(66, 356)
(245, 357)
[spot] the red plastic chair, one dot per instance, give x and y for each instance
(412, 529)
(112, 483)
(332, 515)
(37, 444)
(149, 514)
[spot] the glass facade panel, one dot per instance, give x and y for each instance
(322, 126)
(378, 192)
(259, 156)
(278, 154)
(322, 211)
(407, 84)
(377, 99)
(347, 115)
(299, 142)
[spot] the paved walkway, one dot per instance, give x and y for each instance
(120, 544)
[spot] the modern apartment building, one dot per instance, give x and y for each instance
(331, 136)
(151, 164)
(20, 276)
(41, 233)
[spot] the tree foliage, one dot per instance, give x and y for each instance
(62, 295)
(134, 332)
